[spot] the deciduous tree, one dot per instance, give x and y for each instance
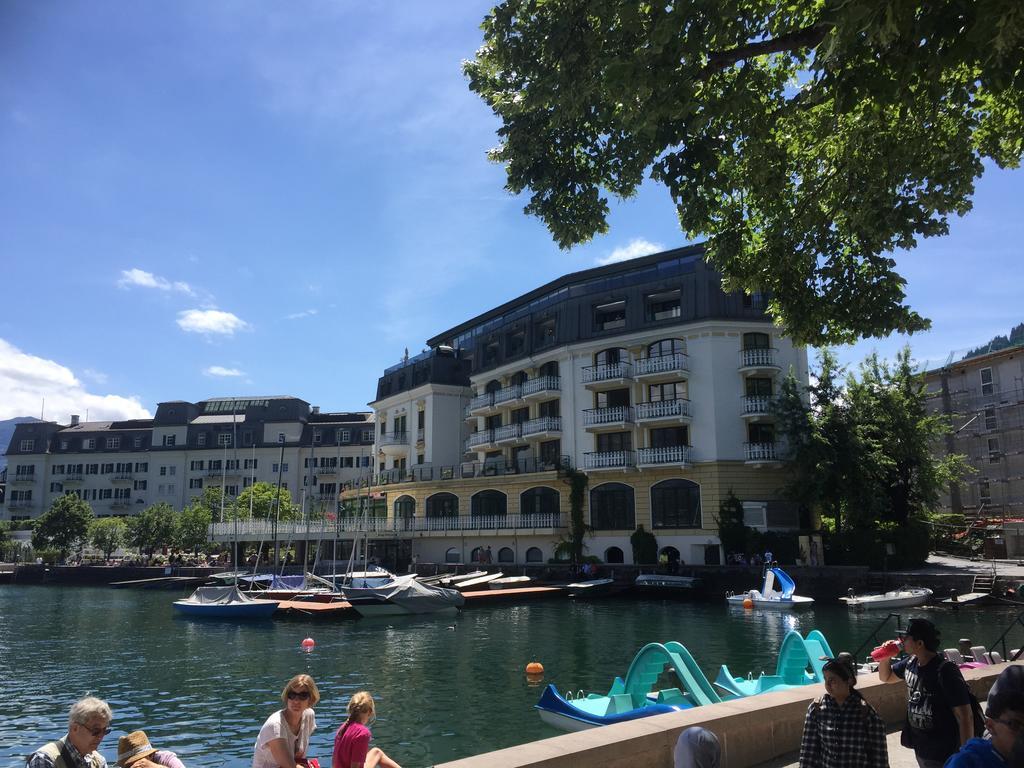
(193, 530)
(261, 499)
(107, 534)
(154, 527)
(804, 140)
(64, 526)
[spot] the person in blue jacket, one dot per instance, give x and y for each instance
(1004, 719)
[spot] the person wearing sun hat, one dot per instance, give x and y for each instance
(135, 751)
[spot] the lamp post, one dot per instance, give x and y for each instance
(277, 499)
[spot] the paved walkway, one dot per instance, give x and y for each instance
(899, 757)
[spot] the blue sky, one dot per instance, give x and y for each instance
(204, 199)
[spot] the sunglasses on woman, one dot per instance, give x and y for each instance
(301, 695)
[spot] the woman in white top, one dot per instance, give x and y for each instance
(284, 738)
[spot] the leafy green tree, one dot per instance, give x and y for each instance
(577, 525)
(193, 530)
(732, 530)
(804, 140)
(64, 526)
(154, 527)
(644, 545)
(262, 497)
(107, 534)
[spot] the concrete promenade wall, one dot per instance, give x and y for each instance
(751, 730)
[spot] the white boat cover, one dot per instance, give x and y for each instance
(408, 593)
(219, 596)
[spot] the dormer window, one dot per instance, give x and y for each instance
(610, 316)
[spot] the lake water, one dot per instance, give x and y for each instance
(446, 687)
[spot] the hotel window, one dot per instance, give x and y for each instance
(611, 508)
(758, 386)
(231, 465)
(984, 492)
(57, 469)
(64, 445)
(105, 493)
(986, 381)
(491, 350)
(142, 466)
(675, 390)
(56, 487)
(163, 471)
(317, 436)
(284, 467)
(346, 436)
(230, 490)
(140, 485)
(551, 451)
(246, 482)
(544, 333)
(25, 469)
(173, 471)
(613, 398)
(224, 439)
(169, 441)
(539, 501)
(993, 450)
(122, 494)
(421, 418)
(666, 347)
(201, 439)
(27, 445)
(161, 490)
(137, 441)
(247, 437)
(520, 415)
(670, 437)
(611, 356)
(760, 433)
(113, 443)
(171, 489)
(675, 504)
(614, 441)
(753, 300)
(94, 469)
(88, 443)
(610, 316)
(195, 482)
(756, 341)
(419, 458)
(197, 465)
(662, 306)
(252, 463)
(215, 465)
(515, 342)
(367, 435)
(549, 408)
(990, 418)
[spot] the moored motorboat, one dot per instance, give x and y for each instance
(225, 603)
(403, 596)
(782, 599)
(896, 598)
(590, 588)
(509, 582)
(665, 585)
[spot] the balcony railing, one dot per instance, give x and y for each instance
(676, 362)
(616, 414)
(394, 438)
(123, 476)
(757, 405)
(670, 454)
(663, 409)
(72, 477)
(508, 432)
(608, 460)
(483, 437)
(325, 471)
(24, 477)
(758, 358)
(464, 471)
(541, 425)
(606, 371)
(486, 400)
(761, 451)
(19, 503)
(542, 384)
(505, 394)
(225, 472)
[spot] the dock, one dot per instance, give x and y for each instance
(521, 594)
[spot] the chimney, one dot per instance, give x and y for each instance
(74, 420)
(316, 409)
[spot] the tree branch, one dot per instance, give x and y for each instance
(809, 37)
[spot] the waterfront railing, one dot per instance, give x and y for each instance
(319, 529)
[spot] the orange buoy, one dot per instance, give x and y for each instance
(308, 643)
(535, 668)
(748, 603)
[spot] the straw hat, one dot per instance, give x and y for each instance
(133, 746)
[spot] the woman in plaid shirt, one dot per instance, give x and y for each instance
(841, 729)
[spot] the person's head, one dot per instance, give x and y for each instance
(1004, 719)
(697, 748)
(361, 708)
(133, 749)
(840, 676)
(88, 722)
(300, 692)
(919, 635)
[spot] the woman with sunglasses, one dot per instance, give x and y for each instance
(284, 737)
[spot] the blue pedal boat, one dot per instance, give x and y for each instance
(800, 662)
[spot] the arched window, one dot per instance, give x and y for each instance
(666, 347)
(610, 356)
(611, 508)
(452, 555)
(489, 503)
(443, 505)
(492, 386)
(756, 341)
(613, 555)
(539, 501)
(477, 555)
(405, 508)
(549, 369)
(534, 555)
(518, 378)
(675, 504)
(671, 553)
(506, 555)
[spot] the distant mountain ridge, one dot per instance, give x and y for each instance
(7, 431)
(997, 343)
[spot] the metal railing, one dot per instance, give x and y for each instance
(757, 405)
(606, 371)
(541, 384)
(394, 438)
(761, 451)
(541, 425)
(758, 358)
(508, 432)
(73, 477)
(297, 529)
(613, 415)
(24, 477)
(486, 400)
(674, 362)
(1001, 640)
(513, 392)
(669, 454)
(123, 476)
(663, 409)
(464, 471)
(608, 459)
(483, 437)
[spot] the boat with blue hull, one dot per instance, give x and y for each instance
(224, 603)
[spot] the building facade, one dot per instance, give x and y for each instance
(121, 467)
(983, 395)
(644, 375)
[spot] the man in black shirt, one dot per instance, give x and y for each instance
(938, 700)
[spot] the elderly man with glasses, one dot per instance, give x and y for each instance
(88, 722)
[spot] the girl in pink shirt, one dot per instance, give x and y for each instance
(352, 741)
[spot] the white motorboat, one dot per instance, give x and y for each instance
(509, 582)
(896, 598)
(403, 596)
(782, 599)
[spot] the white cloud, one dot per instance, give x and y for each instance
(27, 379)
(97, 376)
(633, 250)
(220, 370)
(139, 278)
(210, 321)
(303, 313)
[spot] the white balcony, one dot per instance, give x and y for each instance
(675, 455)
(608, 460)
(607, 418)
(607, 375)
(758, 360)
(664, 410)
(543, 427)
(478, 440)
(541, 387)
(762, 453)
(510, 433)
(667, 367)
(507, 394)
(72, 477)
(757, 407)
(24, 477)
(480, 405)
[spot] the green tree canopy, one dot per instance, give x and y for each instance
(107, 534)
(804, 140)
(193, 531)
(155, 526)
(63, 526)
(261, 498)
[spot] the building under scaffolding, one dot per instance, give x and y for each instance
(982, 391)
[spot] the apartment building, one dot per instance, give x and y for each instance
(644, 375)
(983, 394)
(121, 467)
